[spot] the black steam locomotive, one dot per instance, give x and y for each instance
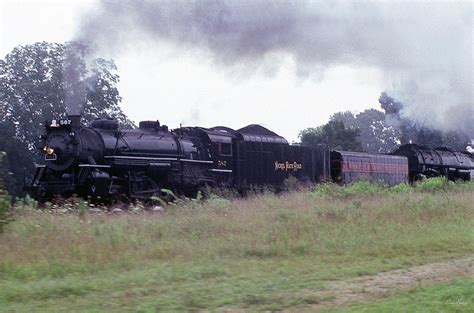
(104, 161)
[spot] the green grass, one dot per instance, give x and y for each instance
(266, 252)
(457, 296)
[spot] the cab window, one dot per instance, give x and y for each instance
(225, 149)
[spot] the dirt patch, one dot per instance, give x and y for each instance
(383, 284)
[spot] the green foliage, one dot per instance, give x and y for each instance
(5, 212)
(334, 134)
(380, 131)
(434, 184)
(445, 297)
(164, 197)
(362, 188)
(18, 161)
(217, 202)
(401, 188)
(376, 136)
(5, 209)
(25, 204)
(227, 193)
(41, 81)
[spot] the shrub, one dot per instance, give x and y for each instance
(401, 188)
(25, 204)
(434, 184)
(328, 189)
(363, 188)
(355, 189)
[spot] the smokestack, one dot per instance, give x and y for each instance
(75, 120)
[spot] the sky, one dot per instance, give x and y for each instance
(207, 79)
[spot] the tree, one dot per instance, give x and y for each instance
(5, 213)
(375, 135)
(334, 134)
(43, 81)
(18, 161)
(46, 80)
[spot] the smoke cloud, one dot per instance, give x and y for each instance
(425, 48)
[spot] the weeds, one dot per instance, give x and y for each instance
(5, 205)
(259, 252)
(25, 204)
(434, 184)
(5, 213)
(265, 225)
(363, 188)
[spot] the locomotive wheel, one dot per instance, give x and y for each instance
(143, 187)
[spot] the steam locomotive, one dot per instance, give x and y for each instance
(103, 161)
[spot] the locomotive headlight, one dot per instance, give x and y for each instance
(48, 150)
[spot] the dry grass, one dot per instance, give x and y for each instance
(329, 230)
(261, 226)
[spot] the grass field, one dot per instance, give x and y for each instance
(265, 252)
(457, 296)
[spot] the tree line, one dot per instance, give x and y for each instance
(376, 131)
(39, 81)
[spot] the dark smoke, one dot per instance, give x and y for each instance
(74, 69)
(424, 48)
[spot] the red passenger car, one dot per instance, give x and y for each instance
(348, 167)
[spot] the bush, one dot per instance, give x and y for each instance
(401, 188)
(355, 189)
(25, 204)
(364, 188)
(5, 207)
(328, 189)
(434, 184)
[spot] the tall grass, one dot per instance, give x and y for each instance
(264, 252)
(341, 222)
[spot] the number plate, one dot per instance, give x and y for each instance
(51, 157)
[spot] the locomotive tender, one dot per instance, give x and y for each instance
(104, 161)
